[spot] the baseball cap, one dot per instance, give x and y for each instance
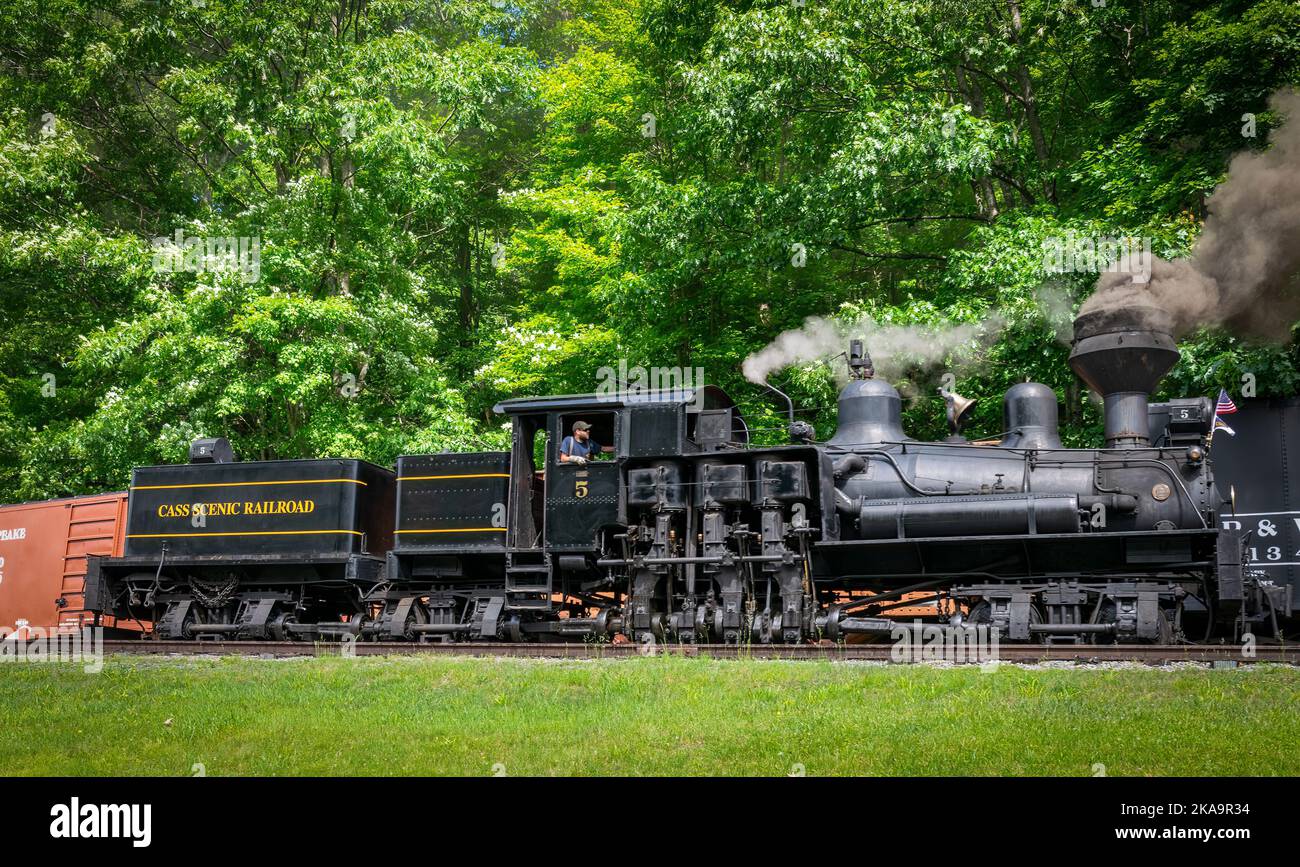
(580, 425)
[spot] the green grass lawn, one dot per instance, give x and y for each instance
(424, 715)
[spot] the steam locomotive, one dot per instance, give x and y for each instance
(691, 534)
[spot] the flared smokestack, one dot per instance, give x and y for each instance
(1122, 354)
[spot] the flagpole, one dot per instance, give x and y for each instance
(1222, 406)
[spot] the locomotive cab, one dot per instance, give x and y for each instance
(564, 506)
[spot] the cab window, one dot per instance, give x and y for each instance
(602, 433)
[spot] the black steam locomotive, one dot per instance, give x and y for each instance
(690, 534)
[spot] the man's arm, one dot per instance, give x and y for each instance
(565, 457)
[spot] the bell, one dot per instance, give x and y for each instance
(958, 409)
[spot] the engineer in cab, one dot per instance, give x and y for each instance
(579, 447)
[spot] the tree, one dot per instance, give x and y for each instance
(459, 202)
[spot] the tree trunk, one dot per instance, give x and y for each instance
(1030, 103)
(985, 197)
(465, 279)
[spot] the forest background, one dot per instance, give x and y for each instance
(451, 203)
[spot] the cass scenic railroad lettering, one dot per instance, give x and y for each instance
(247, 507)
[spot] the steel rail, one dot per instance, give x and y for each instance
(1018, 653)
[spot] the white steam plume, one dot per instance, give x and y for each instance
(1057, 307)
(894, 349)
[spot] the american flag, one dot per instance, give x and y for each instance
(1225, 406)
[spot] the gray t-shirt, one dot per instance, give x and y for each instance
(574, 449)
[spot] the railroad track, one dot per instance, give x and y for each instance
(1146, 653)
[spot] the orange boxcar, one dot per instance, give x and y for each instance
(43, 548)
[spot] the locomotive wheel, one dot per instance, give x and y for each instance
(187, 626)
(1106, 615)
(358, 622)
(279, 628)
(982, 615)
(1036, 616)
(418, 615)
(1164, 626)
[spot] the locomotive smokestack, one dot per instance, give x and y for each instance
(1122, 354)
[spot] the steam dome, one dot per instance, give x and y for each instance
(870, 413)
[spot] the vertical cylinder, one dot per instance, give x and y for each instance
(1126, 420)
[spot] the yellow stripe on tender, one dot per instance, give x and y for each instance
(459, 530)
(467, 476)
(240, 484)
(243, 533)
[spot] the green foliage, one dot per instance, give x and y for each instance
(460, 202)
